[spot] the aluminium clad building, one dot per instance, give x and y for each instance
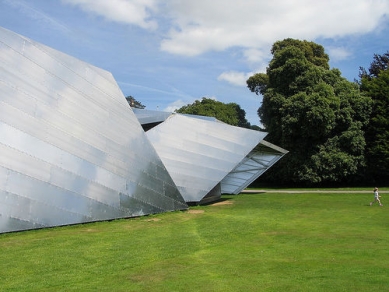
(73, 151)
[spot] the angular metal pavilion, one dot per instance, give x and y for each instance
(206, 157)
(71, 149)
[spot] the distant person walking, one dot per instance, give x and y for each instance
(376, 197)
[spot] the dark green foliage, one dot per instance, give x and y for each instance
(314, 113)
(380, 63)
(230, 113)
(134, 103)
(258, 83)
(312, 52)
(375, 84)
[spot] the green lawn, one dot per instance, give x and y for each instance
(252, 242)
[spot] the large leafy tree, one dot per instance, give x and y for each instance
(229, 113)
(374, 82)
(313, 112)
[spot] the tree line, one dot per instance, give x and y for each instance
(336, 131)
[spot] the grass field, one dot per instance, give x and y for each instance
(250, 242)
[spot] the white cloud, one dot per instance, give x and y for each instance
(235, 78)
(240, 78)
(255, 55)
(339, 53)
(196, 27)
(175, 105)
(204, 25)
(135, 12)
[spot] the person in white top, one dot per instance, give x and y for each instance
(376, 197)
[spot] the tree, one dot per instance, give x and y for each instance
(230, 113)
(380, 63)
(313, 112)
(134, 103)
(375, 84)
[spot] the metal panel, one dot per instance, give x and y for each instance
(72, 150)
(150, 117)
(199, 153)
(260, 159)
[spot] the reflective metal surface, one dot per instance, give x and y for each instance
(202, 153)
(150, 117)
(260, 159)
(71, 149)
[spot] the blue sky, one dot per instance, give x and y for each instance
(168, 53)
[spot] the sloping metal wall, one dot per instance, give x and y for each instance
(260, 159)
(150, 117)
(71, 149)
(199, 153)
